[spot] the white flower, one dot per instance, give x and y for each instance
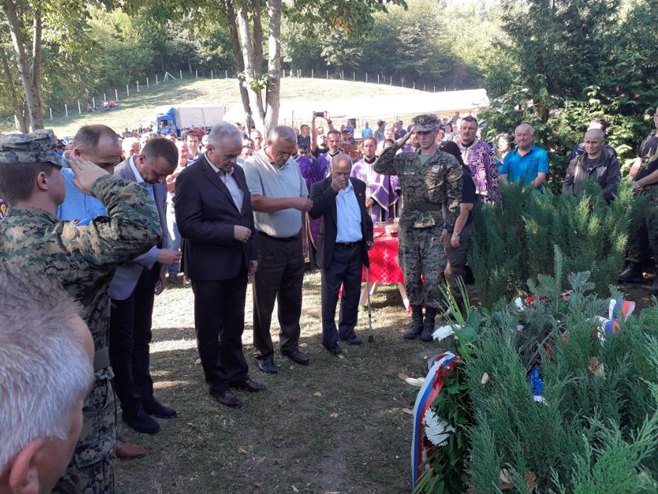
(518, 303)
(415, 381)
(437, 430)
(443, 332)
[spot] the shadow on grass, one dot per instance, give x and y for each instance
(337, 425)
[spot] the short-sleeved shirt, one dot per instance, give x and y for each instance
(468, 190)
(525, 169)
(648, 152)
(267, 179)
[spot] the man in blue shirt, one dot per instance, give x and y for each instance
(100, 145)
(527, 164)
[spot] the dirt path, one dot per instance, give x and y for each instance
(339, 425)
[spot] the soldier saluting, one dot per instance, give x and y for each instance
(82, 257)
(431, 184)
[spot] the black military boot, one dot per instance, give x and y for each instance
(416, 323)
(428, 324)
(632, 274)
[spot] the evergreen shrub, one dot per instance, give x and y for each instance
(514, 240)
(595, 427)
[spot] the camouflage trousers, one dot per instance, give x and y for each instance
(457, 260)
(91, 470)
(423, 258)
(643, 241)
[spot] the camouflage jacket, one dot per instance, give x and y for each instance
(430, 192)
(83, 258)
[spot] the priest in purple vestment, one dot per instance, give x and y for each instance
(381, 189)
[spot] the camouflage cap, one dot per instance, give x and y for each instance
(425, 123)
(37, 147)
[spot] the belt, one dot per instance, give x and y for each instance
(280, 239)
(348, 244)
(426, 206)
(101, 359)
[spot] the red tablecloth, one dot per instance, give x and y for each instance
(384, 267)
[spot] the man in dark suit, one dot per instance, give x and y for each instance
(133, 289)
(343, 244)
(215, 220)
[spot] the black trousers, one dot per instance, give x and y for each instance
(279, 278)
(219, 323)
(345, 269)
(130, 335)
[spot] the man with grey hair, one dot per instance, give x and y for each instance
(345, 239)
(215, 220)
(46, 368)
(280, 200)
(527, 164)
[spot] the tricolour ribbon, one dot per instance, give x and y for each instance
(428, 392)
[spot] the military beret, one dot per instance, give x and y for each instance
(37, 147)
(425, 123)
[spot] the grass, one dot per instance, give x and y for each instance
(140, 106)
(339, 425)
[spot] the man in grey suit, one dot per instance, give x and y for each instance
(133, 290)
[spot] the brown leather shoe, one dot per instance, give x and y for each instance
(226, 398)
(249, 385)
(129, 451)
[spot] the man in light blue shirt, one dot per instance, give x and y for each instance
(527, 164)
(343, 245)
(100, 145)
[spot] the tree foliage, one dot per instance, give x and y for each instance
(570, 61)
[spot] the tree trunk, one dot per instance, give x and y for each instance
(27, 76)
(263, 89)
(273, 98)
(252, 75)
(18, 105)
(37, 26)
(239, 62)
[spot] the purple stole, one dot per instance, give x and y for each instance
(381, 189)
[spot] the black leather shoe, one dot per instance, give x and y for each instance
(334, 350)
(297, 356)
(157, 409)
(632, 274)
(226, 398)
(249, 385)
(354, 340)
(142, 422)
(266, 364)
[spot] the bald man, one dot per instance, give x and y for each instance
(527, 163)
(597, 163)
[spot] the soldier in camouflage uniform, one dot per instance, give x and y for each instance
(82, 256)
(431, 184)
(643, 243)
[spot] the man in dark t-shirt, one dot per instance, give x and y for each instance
(643, 242)
(458, 244)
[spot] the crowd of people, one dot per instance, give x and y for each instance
(99, 226)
